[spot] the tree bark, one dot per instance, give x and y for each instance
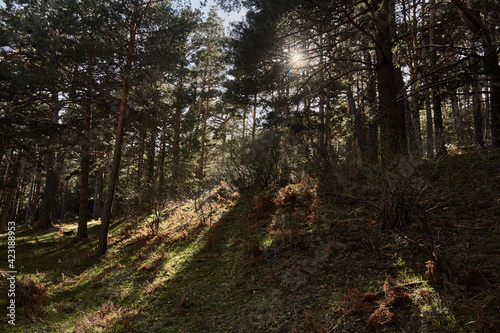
(201, 163)
(371, 152)
(150, 169)
(49, 201)
(404, 112)
(457, 120)
(254, 116)
(176, 148)
(9, 192)
(244, 125)
(30, 207)
(98, 192)
(102, 247)
(83, 215)
(478, 115)
(389, 113)
(436, 92)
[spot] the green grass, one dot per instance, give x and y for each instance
(309, 266)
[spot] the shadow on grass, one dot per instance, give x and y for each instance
(293, 268)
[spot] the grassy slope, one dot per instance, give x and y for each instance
(282, 263)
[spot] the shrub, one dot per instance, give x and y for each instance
(259, 165)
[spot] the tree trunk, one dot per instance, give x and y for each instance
(352, 130)
(476, 25)
(492, 66)
(176, 149)
(371, 151)
(254, 116)
(52, 179)
(83, 215)
(201, 163)
(161, 171)
(18, 194)
(150, 168)
(438, 122)
(389, 113)
(63, 202)
(12, 174)
(117, 153)
(436, 93)
(244, 125)
(98, 189)
(457, 120)
(478, 114)
(30, 207)
(404, 112)
(416, 134)
(429, 128)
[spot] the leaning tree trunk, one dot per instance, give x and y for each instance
(102, 247)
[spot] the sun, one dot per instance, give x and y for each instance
(296, 57)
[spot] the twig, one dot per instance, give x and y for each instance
(402, 286)
(437, 206)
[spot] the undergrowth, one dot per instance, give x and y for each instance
(302, 258)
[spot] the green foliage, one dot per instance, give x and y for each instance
(260, 165)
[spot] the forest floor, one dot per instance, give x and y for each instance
(305, 258)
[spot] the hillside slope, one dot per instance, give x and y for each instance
(304, 258)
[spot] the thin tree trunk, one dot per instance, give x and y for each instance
(64, 202)
(429, 127)
(140, 163)
(438, 122)
(478, 114)
(458, 120)
(254, 116)
(352, 136)
(19, 194)
(117, 153)
(371, 152)
(30, 207)
(404, 111)
(244, 124)
(201, 164)
(436, 93)
(49, 201)
(9, 192)
(83, 215)
(161, 168)
(487, 107)
(150, 168)
(416, 134)
(98, 192)
(175, 149)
